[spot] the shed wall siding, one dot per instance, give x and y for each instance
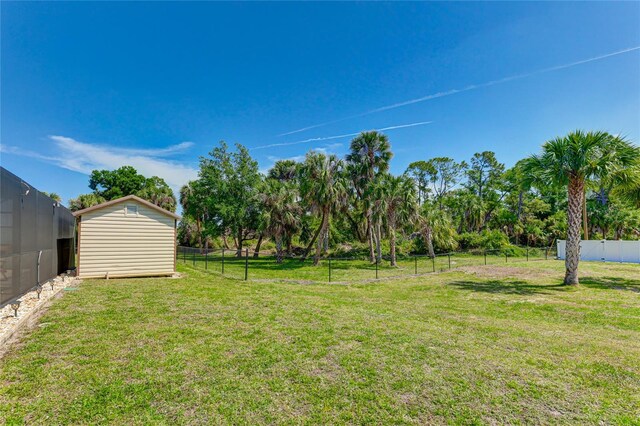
(122, 245)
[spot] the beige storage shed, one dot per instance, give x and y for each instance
(126, 237)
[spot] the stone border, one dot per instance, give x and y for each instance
(30, 310)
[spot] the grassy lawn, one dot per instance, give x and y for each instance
(496, 344)
(342, 269)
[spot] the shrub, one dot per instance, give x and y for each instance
(487, 239)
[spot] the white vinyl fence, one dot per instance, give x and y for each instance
(605, 250)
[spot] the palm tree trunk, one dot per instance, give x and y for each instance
(323, 234)
(289, 248)
(392, 243)
(313, 240)
(199, 230)
(370, 234)
(428, 235)
(279, 248)
(572, 255)
(378, 242)
(355, 227)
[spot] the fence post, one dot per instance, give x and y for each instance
(223, 261)
(485, 257)
(329, 269)
(194, 258)
(376, 267)
(527, 254)
(433, 262)
(415, 264)
(546, 253)
(505, 257)
(246, 265)
(184, 255)
(449, 256)
(206, 259)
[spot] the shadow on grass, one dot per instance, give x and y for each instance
(507, 287)
(611, 283)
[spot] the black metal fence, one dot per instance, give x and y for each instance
(246, 264)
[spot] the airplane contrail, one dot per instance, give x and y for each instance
(467, 88)
(325, 138)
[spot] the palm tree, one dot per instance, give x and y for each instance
(191, 200)
(55, 197)
(280, 211)
(85, 201)
(626, 185)
(370, 155)
(399, 200)
(284, 170)
(322, 188)
(377, 202)
(573, 161)
(435, 225)
(468, 208)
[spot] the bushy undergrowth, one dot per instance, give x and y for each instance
(486, 239)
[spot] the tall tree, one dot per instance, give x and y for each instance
(193, 202)
(378, 203)
(284, 170)
(484, 173)
(516, 181)
(157, 191)
(467, 210)
(112, 184)
(229, 182)
(322, 187)
(444, 174)
(484, 179)
(420, 171)
(401, 206)
(370, 154)
(280, 211)
(572, 161)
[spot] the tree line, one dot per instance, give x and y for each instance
(329, 203)
(583, 185)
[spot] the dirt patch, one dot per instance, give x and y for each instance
(505, 272)
(285, 280)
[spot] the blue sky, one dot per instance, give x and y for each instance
(156, 85)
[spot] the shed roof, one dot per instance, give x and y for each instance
(127, 198)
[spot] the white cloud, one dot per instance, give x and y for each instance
(334, 145)
(297, 158)
(324, 138)
(467, 88)
(84, 157)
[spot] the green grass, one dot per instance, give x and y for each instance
(484, 345)
(342, 269)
